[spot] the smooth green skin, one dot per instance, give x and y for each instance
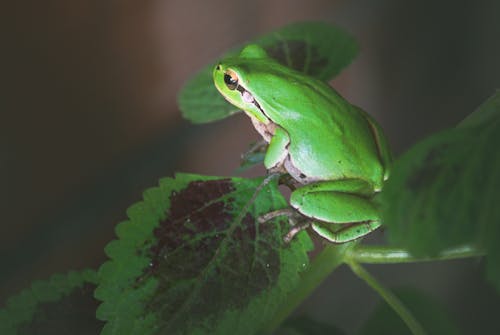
(334, 150)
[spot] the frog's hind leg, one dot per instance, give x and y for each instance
(341, 210)
(346, 233)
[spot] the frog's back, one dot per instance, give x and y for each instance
(329, 138)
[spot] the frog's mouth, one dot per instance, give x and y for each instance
(248, 98)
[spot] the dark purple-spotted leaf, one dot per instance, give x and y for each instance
(315, 48)
(64, 304)
(192, 259)
(444, 191)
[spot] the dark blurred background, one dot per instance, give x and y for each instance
(90, 120)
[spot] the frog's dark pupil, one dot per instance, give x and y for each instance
(230, 81)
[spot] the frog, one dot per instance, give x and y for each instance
(336, 154)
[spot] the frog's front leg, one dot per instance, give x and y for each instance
(277, 150)
(341, 210)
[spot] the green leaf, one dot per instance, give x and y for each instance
(444, 191)
(250, 161)
(255, 155)
(430, 313)
(315, 48)
(64, 304)
(303, 325)
(192, 259)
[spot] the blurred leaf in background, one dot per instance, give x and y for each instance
(444, 190)
(315, 48)
(64, 304)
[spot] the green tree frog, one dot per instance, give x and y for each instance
(336, 153)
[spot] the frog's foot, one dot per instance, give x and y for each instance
(347, 232)
(296, 220)
(297, 228)
(288, 212)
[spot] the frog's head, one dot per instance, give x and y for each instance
(232, 79)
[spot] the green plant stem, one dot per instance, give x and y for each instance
(389, 297)
(388, 255)
(331, 257)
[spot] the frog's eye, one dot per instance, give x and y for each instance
(231, 80)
